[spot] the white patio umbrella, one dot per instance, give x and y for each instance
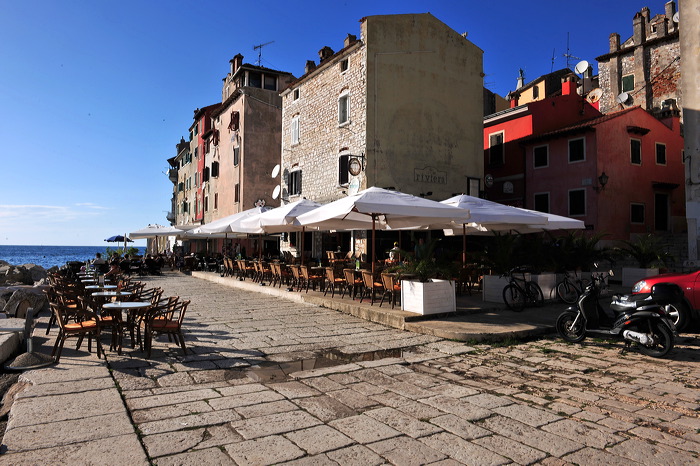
(380, 208)
(230, 224)
(554, 222)
(282, 219)
(154, 231)
(490, 216)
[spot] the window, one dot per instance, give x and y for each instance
(577, 202)
(636, 213)
(216, 201)
(496, 149)
(295, 182)
(540, 156)
(237, 193)
(577, 150)
(542, 202)
(180, 187)
(535, 92)
(343, 175)
(196, 179)
(295, 94)
(660, 153)
(344, 64)
(295, 130)
(206, 203)
(215, 169)
(635, 151)
(235, 121)
(236, 156)
(205, 174)
(344, 109)
(196, 152)
(254, 79)
(270, 83)
(628, 83)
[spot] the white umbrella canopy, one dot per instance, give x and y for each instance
(554, 222)
(230, 224)
(154, 231)
(282, 218)
(380, 208)
(485, 212)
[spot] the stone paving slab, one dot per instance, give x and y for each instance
(435, 402)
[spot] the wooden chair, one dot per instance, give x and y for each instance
(309, 279)
(296, 277)
(352, 283)
(285, 275)
(79, 324)
(371, 286)
(165, 321)
(333, 281)
(391, 287)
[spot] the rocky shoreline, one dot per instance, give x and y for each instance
(22, 287)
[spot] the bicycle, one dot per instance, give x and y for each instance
(520, 292)
(570, 288)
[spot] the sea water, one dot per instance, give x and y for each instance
(49, 256)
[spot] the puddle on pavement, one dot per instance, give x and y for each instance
(279, 371)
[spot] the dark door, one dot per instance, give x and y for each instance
(661, 209)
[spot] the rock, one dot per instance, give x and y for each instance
(22, 299)
(26, 274)
(35, 272)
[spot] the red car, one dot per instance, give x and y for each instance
(682, 313)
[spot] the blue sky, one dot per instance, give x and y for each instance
(94, 95)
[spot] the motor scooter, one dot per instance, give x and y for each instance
(642, 322)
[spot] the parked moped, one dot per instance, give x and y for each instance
(643, 322)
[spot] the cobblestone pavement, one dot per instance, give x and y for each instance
(421, 400)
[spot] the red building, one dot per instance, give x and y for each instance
(621, 173)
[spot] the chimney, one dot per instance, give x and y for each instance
(236, 62)
(568, 86)
(662, 28)
(614, 42)
(513, 97)
(349, 40)
(521, 79)
(639, 29)
(310, 66)
(670, 9)
(325, 52)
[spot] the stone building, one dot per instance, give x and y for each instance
(401, 108)
(645, 69)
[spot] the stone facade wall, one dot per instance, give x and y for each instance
(321, 138)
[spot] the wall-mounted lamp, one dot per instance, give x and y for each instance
(602, 181)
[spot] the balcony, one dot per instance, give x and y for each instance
(172, 175)
(171, 217)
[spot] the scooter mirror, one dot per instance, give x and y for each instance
(611, 273)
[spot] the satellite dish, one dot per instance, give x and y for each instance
(581, 67)
(595, 95)
(622, 98)
(276, 171)
(677, 17)
(276, 191)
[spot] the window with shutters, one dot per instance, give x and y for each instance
(496, 156)
(577, 150)
(237, 193)
(344, 108)
(295, 130)
(235, 121)
(236, 156)
(295, 183)
(215, 169)
(343, 175)
(628, 83)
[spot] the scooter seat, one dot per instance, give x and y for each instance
(622, 303)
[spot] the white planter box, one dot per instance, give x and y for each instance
(493, 288)
(433, 297)
(631, 275)
(547, 283)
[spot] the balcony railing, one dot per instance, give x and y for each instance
(172, 174)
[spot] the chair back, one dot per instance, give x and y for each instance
(349, 275)
(304, 269)
(178, 310)
(367, 278)
(330, 274)
(295, 272)
(388, 281)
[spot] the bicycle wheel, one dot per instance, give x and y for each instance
(514, 298)
(567, 292)
(534, 294)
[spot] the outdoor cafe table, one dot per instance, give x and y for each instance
(101, 287)
(112, 294)
(133, 309)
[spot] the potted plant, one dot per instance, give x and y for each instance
(426, 284)
(647, 251)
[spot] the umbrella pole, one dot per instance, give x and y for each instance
(301, 243)
(373, 245)
(464, 245)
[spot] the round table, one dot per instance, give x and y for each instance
(101, 287)
(112, 294)
(133, 308)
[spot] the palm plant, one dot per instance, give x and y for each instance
(647, 251)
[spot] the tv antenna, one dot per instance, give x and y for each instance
(551, 69)
(259, 49)
(567, 54)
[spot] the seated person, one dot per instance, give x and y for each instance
(98, 259)
(125, 265)
(151, 265)
(114, 271)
